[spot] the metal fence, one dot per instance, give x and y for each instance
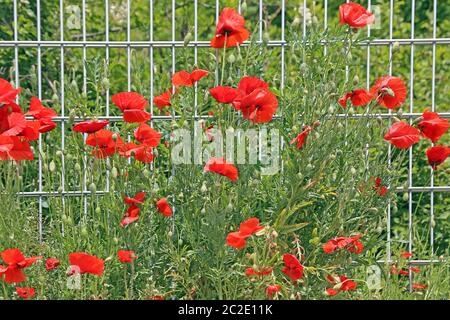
(196, 43)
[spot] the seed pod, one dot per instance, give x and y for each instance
(231, 58)
(114, 172)
(92, 188)
(105, 83)
(52, 166)
(98, 210)
(243, 6)
(355, 80)
(266, 38)
(187, 39)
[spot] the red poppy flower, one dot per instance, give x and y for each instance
(358, 97)
(301, 138)
(141, 152)
(437, 155)
(402, 135)
(382, 190)
(156, 298)
(272, 289)
(184, 78)
(21, 150)
(26, 292)
(293, 268)
(342, 283)
(163, 100)
(11, 123)
(6, 143)
(7, 93)
(105, 143)
(259, 106)
(264, 271)
(132, 105)
(246, 86)
(147, 135)
(164, 207)
(250, 227)
(432, 126)
(351, 243)
(419, 286)
(137, 199)
(90, 126)
(220, 166)
(406, 255)
(131, 215)
(126, 256)
(355, 15)
(38, 111)
(230, 30)
(236, 240)
(87, 263)
(224, 94)
(15, 261)
(389, 92)
(51, 264)
(46, 125)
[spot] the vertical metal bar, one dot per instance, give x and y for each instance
(260, 20)
(217, 50)
(411, 107)
(108, 161)
(283, 23)
(433, 108)
(151, 70)
(16, 48)
(195, 55)
(83, 15)
(129, 56)
(325, 23)
(61, 30)
(368, 52)
(173, 88)
(388, 227)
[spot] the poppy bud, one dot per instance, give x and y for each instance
(187, 39)
(309, 166)
(170, 233)
(405, 196)
(304, 68)
(332, 156)
(77, 167)
(316, 123)
(380, 120)
(203, 211)
(351, 111)
(331, 109)
(352, 171)
(274, 234)
(394, 209)
(146, 173)
(396, 119)
(60, 189)
(74, 85)
(114, 172)
(180, 242)
(314, 232)
(355, 80)
(373, 210)
(71, 117)
(52, 166)
(59, 153)
(55, 98)
(203, 188)
(266, 38)
(314, 241)
(116, 240)
(105, 83)
(64, 218)
(296, 21)
(98, 210)
(231, 58)
(92, 188)
(114, 136)
(243, 6)
(229, 206)
(84, 232)
(433, 223)
(396, 46)
(316, 135)
(45, 167)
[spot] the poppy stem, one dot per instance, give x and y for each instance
(224, 59)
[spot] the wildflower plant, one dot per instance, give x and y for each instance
(219, 229)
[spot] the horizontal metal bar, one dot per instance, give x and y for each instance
(413, 262)
(86, 193)
(200, 44)
(169, 118)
